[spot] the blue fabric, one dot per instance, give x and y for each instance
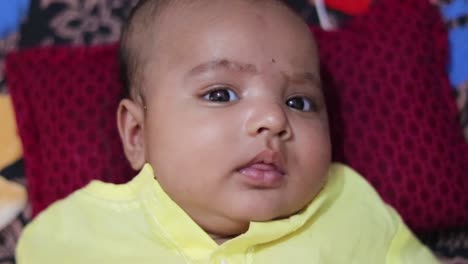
(11, 14)
(458, 37)
(455, 9)
(458, 66)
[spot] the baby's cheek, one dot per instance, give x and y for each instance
(313, 142)
(313, 157)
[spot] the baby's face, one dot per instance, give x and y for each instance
(236, 127)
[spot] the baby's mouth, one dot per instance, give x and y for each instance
(264, 171)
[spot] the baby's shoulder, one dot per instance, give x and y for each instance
(88, 220)
(357, 207)
(369, 228)
(353, 188)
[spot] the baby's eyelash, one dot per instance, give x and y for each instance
(221, 94)
(302, 103)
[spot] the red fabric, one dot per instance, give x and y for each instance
(393, 116)
(65, 101)
(351, 7)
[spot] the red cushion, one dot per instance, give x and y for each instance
(392, 112)
(65, 101)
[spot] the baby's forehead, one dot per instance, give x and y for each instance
(180, 31)
(177, 22)
(188, 11)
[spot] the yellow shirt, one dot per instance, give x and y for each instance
(138, 223)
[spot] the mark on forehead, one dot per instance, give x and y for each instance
(224, 64)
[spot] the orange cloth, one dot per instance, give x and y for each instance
(10, 143)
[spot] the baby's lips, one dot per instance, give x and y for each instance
(266, 167)
(267, 159)
(262, 175)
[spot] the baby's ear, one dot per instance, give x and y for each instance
(130, 117)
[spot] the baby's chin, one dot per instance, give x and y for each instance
(270, 208)
(234, 217)
(266, 217)
(241, 223)
(236, 221)
(266, 214)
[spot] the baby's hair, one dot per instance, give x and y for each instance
(135, 34)
(130, 49)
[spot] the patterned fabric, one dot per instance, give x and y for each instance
(6, 45)
(393, 114)
(450, 244)
(74, 22)
(10, 234)
(66, 119)
(58, 22)
(9, 237)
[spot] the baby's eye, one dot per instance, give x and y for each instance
(301, 103)
(221, 95)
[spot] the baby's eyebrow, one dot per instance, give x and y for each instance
(223, 64)
(306, 76)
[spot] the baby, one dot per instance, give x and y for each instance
(226, 121)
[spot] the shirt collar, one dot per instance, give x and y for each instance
(182, 233)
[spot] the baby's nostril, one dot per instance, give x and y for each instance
(283, 134)
(261, 130)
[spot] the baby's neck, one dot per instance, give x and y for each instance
(221, 239)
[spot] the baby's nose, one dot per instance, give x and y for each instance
(269, 118)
